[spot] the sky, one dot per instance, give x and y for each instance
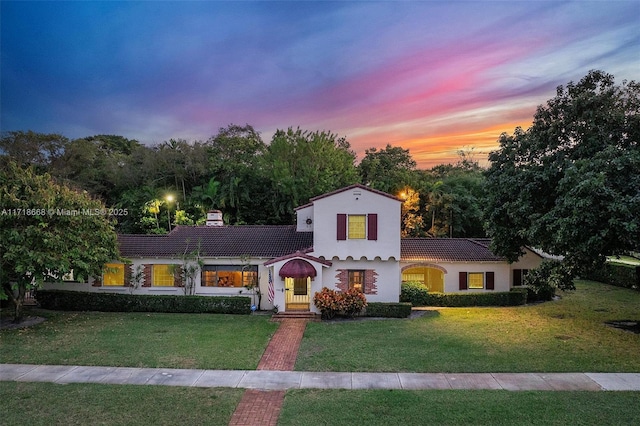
(433, 77)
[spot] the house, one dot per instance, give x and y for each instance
(348, 238)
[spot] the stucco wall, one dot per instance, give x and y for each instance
(529, 260)
(502, 273)
(137, 264)
(302, 216)
(387, 277)
(356, 201)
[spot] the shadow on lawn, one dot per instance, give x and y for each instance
(627, 325)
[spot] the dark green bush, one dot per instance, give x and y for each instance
(117, 302)
(414, 292)
(627, 276)
(417, 295)
(543, 281)
(387, 310)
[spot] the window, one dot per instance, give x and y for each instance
(518, 276)
(356, 280)
(163, 276)
(229, 276)
(357, 226)
(476, 280)
(113, 274)
(300, 286)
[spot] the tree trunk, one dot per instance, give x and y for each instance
(18, 301)
(17, 318)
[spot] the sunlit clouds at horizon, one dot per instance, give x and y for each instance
(434, 77)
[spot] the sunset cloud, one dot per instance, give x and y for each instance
(433, 76)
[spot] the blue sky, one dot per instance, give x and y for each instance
(431, 76)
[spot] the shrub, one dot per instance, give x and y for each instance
(627, 276)
(415, 293)
(543, 281)
(417, 296)
(331, 302)
(353, 302)
(328, 301)
(387, 310)
(117, 302)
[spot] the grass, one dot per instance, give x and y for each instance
(80, 404)
(140, 340)
(568, 335)
(387, 407)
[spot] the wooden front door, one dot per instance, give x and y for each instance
(297, 294)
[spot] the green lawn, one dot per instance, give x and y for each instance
(81, 404)
(140, 340)
(394, 407)
(623, 260)
(561, 336)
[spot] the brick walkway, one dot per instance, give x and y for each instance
(282, 351)
(257, 407)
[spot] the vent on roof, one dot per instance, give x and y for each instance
(214, 218)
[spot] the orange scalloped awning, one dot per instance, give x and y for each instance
(297, 268)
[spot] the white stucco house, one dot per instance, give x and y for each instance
(348, 238)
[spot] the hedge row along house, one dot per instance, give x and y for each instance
(348, 238)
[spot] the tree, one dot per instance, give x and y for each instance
(302, 164)
(570, 184)
(389, 169)
(234, 156)
(31, 148)
(46, 231)
(412, 222)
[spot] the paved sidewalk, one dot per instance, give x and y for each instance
(283, 380)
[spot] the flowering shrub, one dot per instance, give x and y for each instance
(353, 302)
(328, 301)
(331, 302)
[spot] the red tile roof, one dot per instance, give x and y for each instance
(447, 250)
(218, 241)
(273, 242)
(347, 188)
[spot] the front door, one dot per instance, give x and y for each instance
(297, 293)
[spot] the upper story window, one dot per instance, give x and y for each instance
(357, 226)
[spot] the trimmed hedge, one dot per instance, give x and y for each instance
(65, 300)
(415, 293)
(387, 310)
(418, 295)
(627, 276)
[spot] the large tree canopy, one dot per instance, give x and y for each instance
(302, 164)
(389, 169)
(250, 181)
(570, 184)
(48, 230)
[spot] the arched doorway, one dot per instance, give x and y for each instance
(432, 277)
(297, 274)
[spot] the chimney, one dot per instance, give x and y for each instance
(214, 218)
